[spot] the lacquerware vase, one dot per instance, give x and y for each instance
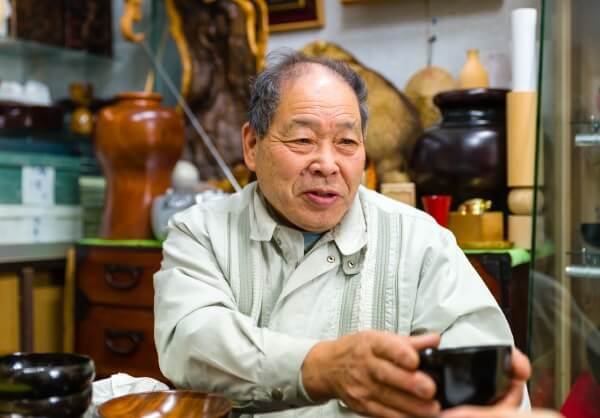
(137, 143)
(465, 154)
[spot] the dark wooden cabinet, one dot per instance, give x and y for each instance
(510, 286)
(114, 321)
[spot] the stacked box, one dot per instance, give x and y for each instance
(65, 178)
(92, 191)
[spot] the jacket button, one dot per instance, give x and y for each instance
(331, 259)
(277, 394)
(351, 264)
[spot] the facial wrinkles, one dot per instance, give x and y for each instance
(322, 124)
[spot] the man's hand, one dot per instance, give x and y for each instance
(373, 373)
(505, 407)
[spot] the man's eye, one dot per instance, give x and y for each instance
(348, 141)
(303, 141)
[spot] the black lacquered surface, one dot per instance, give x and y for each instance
(590, 232)
(470, 375)
(67, 406)
(41, 375)
(465, 154)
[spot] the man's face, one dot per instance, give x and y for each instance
(310, 162)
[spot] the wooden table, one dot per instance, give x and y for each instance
(24, 259)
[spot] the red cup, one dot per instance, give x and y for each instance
(438, 206)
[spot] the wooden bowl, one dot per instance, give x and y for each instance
(166, 404)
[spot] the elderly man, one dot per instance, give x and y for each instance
(306, 292)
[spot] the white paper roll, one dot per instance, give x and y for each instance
(523, 49)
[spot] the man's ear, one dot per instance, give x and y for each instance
(249, 142)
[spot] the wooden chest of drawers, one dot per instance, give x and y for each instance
(113, 308)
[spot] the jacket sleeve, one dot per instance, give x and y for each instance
(453, 300)
(205, 343)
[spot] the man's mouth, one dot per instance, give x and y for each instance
(321, 197)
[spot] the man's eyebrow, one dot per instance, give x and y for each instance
(347, 124)
(299, 122)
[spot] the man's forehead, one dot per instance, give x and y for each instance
(308, 73)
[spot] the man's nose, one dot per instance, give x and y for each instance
(325, 162)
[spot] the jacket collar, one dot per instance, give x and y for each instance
(350, 235)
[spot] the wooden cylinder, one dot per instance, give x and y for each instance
(520, 230)
(521, 129)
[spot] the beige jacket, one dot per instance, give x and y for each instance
(238, 304)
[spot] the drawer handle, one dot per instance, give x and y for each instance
(122, 342)
(113, 271)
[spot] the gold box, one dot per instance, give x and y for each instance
(488, 227)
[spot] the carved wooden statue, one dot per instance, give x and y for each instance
(221, 44)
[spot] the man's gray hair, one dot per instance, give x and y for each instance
(286, 65)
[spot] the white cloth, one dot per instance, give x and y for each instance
(212, 336)
(118, 385)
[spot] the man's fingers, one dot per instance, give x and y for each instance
(513, 396)
(419, 342)
(400, 401)
(521, 368)
(403, 351)
(415, 382)
(395, 349)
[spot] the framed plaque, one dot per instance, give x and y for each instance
(285, 15)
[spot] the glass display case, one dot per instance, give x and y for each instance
(565, 280)
(128, 68)
(31, 308)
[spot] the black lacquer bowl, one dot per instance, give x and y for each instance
(67, 406)
(22, 118)
(477, 375)
(44, 375)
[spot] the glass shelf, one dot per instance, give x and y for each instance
(22, 49)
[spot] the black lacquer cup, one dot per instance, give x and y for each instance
(476, 375)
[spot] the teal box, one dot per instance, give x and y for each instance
(66, 180)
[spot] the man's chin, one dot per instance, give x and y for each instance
(316, 227)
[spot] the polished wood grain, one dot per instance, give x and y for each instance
(166, 404)
(113, 308)
(119, 340)
(137, 143)
(118, 276)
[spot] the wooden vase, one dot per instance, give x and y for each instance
(473, 74)
(137, 143)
